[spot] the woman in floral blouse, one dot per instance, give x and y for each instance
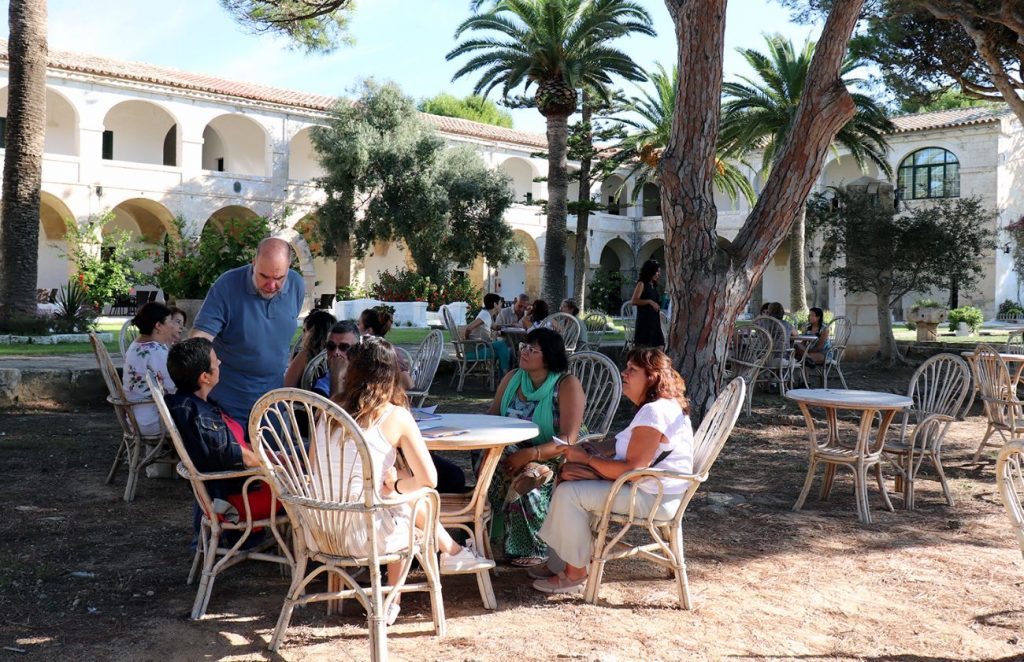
(148, 353)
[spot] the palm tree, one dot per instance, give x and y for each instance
(559, 46)
(644, 147)
(23, 158)
(758, 114)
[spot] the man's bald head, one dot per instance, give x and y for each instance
(270, 266)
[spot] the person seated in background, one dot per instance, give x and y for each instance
(179, 317)
(816, 326)
(569, 307)
(342, 336)
(512, 315)
(535, 315)
(480, 330)
(776, 310)
(315, 329)
(372, 394)
(764, 308)
(148, 354)
(377, 323)
(213, 440)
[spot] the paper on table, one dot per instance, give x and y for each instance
(425, 414)
(441, 431)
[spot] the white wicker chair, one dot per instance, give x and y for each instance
(667, 548)
(424, 367)
(1010, 483)
(628, 314)
(746, 356)
(567, 326)
(778, 368)
(596, 325)
(130, 449)
(314, 370)
(938, 389)
(1014, 343)
(839, 337)
(664, 319)
(470, 355)
(602, 384)
(217, 559)
(126, 335)
(320, 480)
(1004, 411)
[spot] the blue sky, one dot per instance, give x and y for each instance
(401, 40)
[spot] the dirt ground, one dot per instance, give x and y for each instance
(85, 576)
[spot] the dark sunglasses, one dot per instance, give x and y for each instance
(343, 346)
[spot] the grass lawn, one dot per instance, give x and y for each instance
(901, 333)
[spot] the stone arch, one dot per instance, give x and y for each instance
(844, 169)
(141, 131)
(231, 212)
(653, 249)
(616, 255)
(146, 219)
(521, 277)
(53, 267)
(61, 122)
(615, 195)
(303, 161)
(235, 143)
(522, 173)
(305, 259)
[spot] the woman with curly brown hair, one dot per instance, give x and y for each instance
(660, 434)
(373, 395)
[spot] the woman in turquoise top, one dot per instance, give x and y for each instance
(539, 390)
(815, 327)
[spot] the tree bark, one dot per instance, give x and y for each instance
(710, 285)
(888, 352)
(798, 263)
(954, 294)
(583, 213)
(553, 288)
(23, 158)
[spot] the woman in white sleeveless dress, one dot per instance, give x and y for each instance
(372, 394)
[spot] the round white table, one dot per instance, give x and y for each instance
(471, 512)
(864, 453)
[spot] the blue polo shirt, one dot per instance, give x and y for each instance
(251, 336)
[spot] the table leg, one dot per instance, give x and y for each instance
(812, 445)
(832, 419)
(480, 532)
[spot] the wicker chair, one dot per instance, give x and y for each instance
(314, 370)
(470, 355)
(1004, 411)
(746, 356)
(567, 326)
(938, 389)
(424, 367)
(130, 450)
(667, 548)
(1014, 343)
(1010, 483)
(628, 314)
(778, 368)
(125, 336)
(602, 384)
(217, 559)
(665, 320)
(839, 337)
(596, 325)
(333, 516)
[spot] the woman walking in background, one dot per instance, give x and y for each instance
(645, 298)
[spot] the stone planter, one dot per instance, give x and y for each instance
(962, 329)
(927, 321)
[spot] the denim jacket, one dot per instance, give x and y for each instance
(206, 436)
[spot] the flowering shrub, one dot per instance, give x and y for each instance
(406, 285)
(109, 273)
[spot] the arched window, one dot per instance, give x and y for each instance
(931, 172)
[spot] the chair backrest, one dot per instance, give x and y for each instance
(428, 357)
(596, 325)
(997, 390)
(940, 386)
(839, 332)
(777, 330)
(1014, 343)
(628, 310)
(1010, 484)
(453, 329)
(326, 301)
(123, 409)
(748, 351)
(315, 369)
(128, 333)
(602, 385)
(567, 326)
(404, 357)
(320, 471)
(664, 319)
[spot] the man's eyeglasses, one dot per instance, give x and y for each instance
(341, 347)
(527, 348)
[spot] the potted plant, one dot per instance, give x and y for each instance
(927, 314)
(965, 320)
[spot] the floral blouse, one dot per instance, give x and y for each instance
(140, 359)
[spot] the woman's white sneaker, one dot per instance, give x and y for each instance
(467, 560)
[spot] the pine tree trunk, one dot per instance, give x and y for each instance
(583, 213)
(798, 264)
(710, 285)
(553, 288)
(23, 158)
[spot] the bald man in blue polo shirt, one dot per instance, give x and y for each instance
(251, 314)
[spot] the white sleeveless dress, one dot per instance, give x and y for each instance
(345, 483)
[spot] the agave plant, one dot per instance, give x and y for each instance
(75, 312)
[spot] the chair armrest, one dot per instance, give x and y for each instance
(933, 427)
(637, 476)
(222, 475)
(129, 403)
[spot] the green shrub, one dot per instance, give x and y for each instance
(969, 315)
(407, 285)
(606, 291)
(1009, 307)
(108, 273)
(351, 292)
(27, 325)
(802, 317)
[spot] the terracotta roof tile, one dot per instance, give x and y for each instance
(166, 76)
(943, 119)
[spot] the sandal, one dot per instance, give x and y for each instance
(528, 561)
